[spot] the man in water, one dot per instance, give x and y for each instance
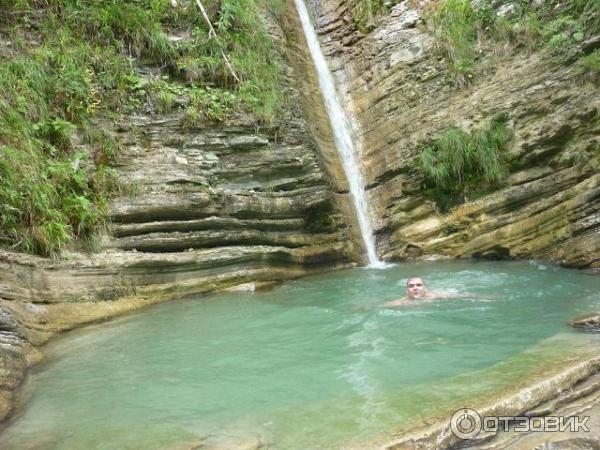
(416, 290)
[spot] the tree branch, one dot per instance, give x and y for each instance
(213, 34)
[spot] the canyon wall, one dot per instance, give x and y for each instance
(202, 208)
(398, 88)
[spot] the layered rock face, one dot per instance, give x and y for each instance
(204, 207)
(396, 85)
(222, 186)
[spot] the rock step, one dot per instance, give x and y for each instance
(168, 206)
(584, 389)
(571, 402)
(213, 222)
(179, 241)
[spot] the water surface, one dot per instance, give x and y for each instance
(299, 366)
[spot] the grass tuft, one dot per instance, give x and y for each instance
(365, 13)
(466, 30)
(458, 164)
(588, 67)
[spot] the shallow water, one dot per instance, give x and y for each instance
(299, 366)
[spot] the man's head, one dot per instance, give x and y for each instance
(415, 287)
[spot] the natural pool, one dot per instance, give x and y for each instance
(299, 366)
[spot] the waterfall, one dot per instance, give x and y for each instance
(342, 131)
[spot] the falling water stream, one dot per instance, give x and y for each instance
(342, 132)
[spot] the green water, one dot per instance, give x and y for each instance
(299, 366)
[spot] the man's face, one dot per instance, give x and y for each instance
(415, 287)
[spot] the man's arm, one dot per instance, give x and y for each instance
(394, 303)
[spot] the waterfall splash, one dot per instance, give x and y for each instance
(342, 131)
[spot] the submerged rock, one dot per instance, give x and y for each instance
(589, 322)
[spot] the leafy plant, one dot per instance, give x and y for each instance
(215, 103)
(588, 67)
(562, 33)
(454, 24)
(58, 133)
(365, 12)
(457, 163)
(164, 94)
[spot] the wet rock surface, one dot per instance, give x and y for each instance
(588, 322)
(580, 443)
(572, 392)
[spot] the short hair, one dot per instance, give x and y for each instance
(413, 278)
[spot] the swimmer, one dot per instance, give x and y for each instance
(416, 290)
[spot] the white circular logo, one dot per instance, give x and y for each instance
(465, 423)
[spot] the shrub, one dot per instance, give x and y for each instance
(454, 24)
(364, 13)
(588, 67)
(457, 164)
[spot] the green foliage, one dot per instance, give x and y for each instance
(588, 13)
(215, 103)
(44, 203)
(94, 43)
(253, 56)
(57, 133)
(48, 94)
(455, 25)
(528, 29)
(562, 33)
(588, 67)
(457, 163)
(560, 25)
(164, 95)
(364, 13)
(103, 143)
(464, 31)
(192, 117)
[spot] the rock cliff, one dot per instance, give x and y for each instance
(395, 83)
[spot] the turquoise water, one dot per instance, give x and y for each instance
(299, 366)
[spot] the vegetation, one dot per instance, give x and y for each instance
(455, 25)
(588, 67)
(69, 66)
(364, 13)
(459, 164)
(463, 32)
